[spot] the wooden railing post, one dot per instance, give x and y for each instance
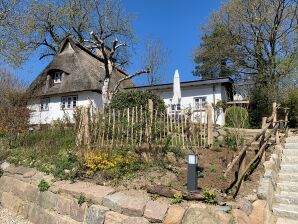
(264, 121)
(286, 120)
(274, 111)
(274, 122)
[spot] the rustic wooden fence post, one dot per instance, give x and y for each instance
(209, 126)
(150, 109)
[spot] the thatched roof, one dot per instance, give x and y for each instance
(83, 71)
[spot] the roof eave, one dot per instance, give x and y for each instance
(227, 80)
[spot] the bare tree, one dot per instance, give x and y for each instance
(45, 24)
(12, 89)
(109, 63)
(48, 23)
(155, 59)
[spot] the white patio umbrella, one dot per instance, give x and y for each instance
(176, 89)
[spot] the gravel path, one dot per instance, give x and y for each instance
(8, 217)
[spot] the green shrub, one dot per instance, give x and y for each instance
(178, 198)
(236, 117)
(233, 139)
(167, 147)
(210, 197)
(43, 185)
(200, 174)
(81, 199)
(212, 169)
(261, 98)
(136, 98)
(293, 106)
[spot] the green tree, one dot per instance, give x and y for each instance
(264, 36)
(259, 36)
(216, 53)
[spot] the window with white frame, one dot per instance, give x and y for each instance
(199, 103)
(57, 77)
(68, 102)
(44, 104)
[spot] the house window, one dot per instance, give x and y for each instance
(199, 103)
(44, 104)
(57, 77)
(68, 102)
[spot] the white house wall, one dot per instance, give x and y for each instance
(55, 112)
(188, 94)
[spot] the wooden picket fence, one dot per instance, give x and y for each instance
(145, 124)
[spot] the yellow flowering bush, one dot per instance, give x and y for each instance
(103, 161)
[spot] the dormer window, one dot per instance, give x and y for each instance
(57, 77)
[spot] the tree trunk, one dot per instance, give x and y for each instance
(106, 85)
(105, 92)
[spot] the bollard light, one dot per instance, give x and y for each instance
(192, 172)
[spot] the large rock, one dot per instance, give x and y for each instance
(135, 220)
(132, 205)
(4, 165)
(155, 211)
(205, 214)
(47, 200)
(11, 202)
(77, 212)
(114, 218)
(63, 205)
(174, 215)
(245, 205)
(95, 214)
(240, 217)
(91, 191)
(258, 212)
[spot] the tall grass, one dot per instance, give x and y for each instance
(51, 150)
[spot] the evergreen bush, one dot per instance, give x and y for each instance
(236, 117)
(136, 98)
(292, 104)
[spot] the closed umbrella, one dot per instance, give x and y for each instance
(176, 89)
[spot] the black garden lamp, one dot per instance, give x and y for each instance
(192, 172)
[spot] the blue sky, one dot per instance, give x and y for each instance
(175, 23)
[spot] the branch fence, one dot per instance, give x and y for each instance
(145, 124)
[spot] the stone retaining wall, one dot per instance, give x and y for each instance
(19, 192)
(268, 181)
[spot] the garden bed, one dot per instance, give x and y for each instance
(53, 151)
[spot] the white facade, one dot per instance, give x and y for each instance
(190, 95)
(212, 93)
(55, 111)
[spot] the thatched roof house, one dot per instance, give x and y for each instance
(82, 71)
(73, 78)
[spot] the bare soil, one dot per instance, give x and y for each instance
(212, 164)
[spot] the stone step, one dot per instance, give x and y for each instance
(287, 186)
(282, 220)
(293, 168)
(292, 177)
(292, 140)
(290, 152)
(290, 159)
(291, 146)
(285, 210)
(285, 197)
